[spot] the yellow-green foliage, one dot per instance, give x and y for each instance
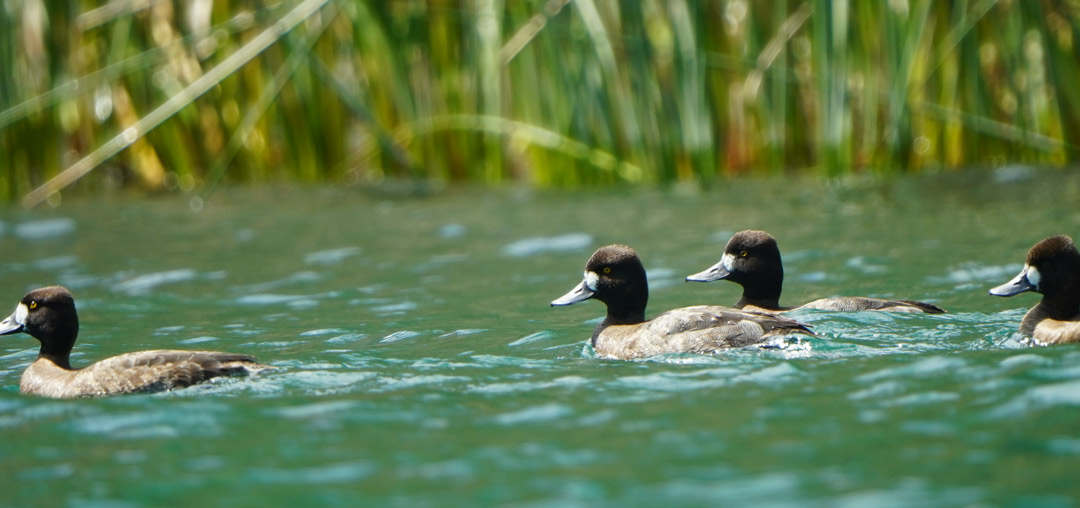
(547, 92)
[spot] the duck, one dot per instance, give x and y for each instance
(751, 259)
(48, 314)
(615, 276)
(1052, 269)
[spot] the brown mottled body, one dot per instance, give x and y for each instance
(48, 314)
(702, 329)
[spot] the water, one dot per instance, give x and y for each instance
(420, 365)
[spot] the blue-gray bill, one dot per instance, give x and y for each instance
(11, 325)
(580, 293)
(1017, 285)
(714, 272)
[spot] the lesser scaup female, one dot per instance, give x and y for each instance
(48, 314)
(752, 260)
(1052, 270)
(614, 275)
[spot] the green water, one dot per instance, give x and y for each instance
(420, 364)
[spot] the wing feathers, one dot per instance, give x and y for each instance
(700, 329)
(857, 303)
(144, 371)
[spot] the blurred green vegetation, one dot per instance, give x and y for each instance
(188, 94)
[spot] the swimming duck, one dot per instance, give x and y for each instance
(615, 275)
(752, 260)
(48, 315)
(1052, 270)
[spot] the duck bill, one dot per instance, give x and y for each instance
(12, 324)
(1017, 285)
(715, 272)
(580, 293)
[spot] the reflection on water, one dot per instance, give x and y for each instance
(419, 362)
(572, 242)
(44, 228)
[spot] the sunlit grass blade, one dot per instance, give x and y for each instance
(175, 103)
(299, 55)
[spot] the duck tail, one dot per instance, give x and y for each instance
(928, 308)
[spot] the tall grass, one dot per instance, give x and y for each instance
(561, 93)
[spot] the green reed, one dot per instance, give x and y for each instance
(546, 92)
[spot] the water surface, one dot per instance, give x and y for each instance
(420, 365)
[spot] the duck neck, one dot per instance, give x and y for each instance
(1056, 308)
(765, 294)
(1064, 306)
(625, 316)
(764, 303)
(61, 339)
(762, 282)
(626, 302)
(62, 359)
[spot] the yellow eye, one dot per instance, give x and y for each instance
(743, 253)
(33, 305)
(607, 269)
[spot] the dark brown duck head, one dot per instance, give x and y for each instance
(614, 275)
(48, 315)
(752, 260)
(1052, 270)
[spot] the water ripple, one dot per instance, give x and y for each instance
(770, 376)
(315, 410)
(399, 383)
(53, 472)
(395, 308)
(532, 337)
(44, 228)
(326, 381)
(346, 338)
(510, 361)
(305, 277)
(570, 242)
(661, 277)
(198, 340)
(528, 386)
(924, 398)
(452, 230)
(978, 273)
(1057, 394)
(399, 335)
(462, 332)
(302, 301)
(535, 414)
(344, 472)
(321, 331)
(668, 382)
(331, 256)
(927, 367)
(143, 284)
(879, 390)
(200, 418)
(55, 263)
